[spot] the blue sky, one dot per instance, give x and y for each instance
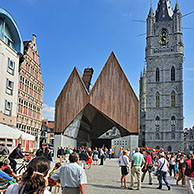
(83, 33)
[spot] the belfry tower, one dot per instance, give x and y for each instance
(162, 85)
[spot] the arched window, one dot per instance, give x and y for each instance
(173, 101)
(157, 75)
(157, 99)
(172, 73)
(157, 124)
(173, 123)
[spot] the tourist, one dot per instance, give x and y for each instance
(172, 165)
(83, 158)
(15, 154)
(39, 152)
(124, 162)
(162, 169)
(34, 179)
(7, 169)
(148, 167)
(67, 153)
(189, 173)
(180, 170)
(137, 162)
(120, 152)
(101, 153)
(60, 154)
(4, 152)
(47, 153)
(52, 182)
(3, 174)
(89, 161)
(110, 153)
(95, 156)
(72, 176)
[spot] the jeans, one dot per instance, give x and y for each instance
(163, 175)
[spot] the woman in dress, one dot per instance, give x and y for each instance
(34, 179)
(89, 161)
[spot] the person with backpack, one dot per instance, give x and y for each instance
(189, 173)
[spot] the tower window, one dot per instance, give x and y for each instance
(157, 75)
(173, 127)
(173, 101)
(157, 99)
(172, 73)
(157, 125)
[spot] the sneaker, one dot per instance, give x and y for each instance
(168, 188)
(130, 188)
(159, 187)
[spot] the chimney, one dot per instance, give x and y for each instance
(88, 72)
(34, 38)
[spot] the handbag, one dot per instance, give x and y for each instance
(127, 167)
(158, 172)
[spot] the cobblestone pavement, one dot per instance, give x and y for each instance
(106, 180)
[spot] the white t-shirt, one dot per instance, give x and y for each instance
(165, 166)
(14, 188)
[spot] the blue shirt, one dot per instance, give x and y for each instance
(4, 175)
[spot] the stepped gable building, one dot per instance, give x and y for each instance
(30, 93)
(161, 84)
(83, 113)
(11, 46)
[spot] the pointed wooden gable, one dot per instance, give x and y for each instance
(113, 95)
(72, 99)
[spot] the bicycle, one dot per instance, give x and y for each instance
(23, 166)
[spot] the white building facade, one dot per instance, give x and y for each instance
(11, 46)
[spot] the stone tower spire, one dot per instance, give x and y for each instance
(164, 11)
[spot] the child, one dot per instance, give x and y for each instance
(51, 182)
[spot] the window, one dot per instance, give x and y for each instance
(173, 101)
(157, 75)
(9, 87)
(11, 66)
(8, 107)
(172, 73)
(157, 99)
(173, 124)
(157, 125)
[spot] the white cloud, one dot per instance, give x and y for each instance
(48, 112)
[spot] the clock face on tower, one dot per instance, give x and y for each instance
(163, 38)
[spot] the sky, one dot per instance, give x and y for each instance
(83, 33)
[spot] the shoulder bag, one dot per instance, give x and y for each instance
(158, 172)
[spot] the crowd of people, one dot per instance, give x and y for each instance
(69, 173)
(180, 166)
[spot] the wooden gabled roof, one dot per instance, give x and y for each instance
(112, 95)
(72, 99)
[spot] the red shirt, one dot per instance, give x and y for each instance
(189, 172)
(148, 158)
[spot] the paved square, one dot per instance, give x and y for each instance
(106, 179)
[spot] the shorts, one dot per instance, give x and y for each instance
(124, 170)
